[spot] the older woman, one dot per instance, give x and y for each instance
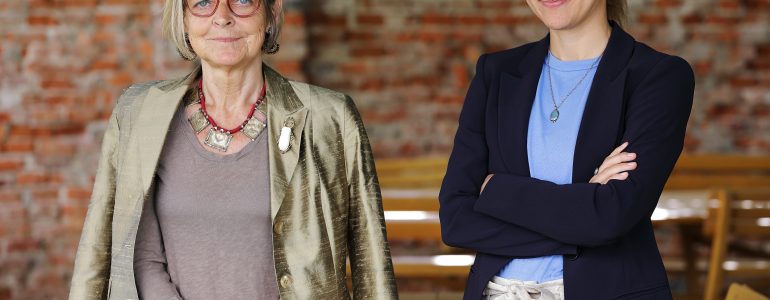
(233, 182)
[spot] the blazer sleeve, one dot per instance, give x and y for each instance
(90, 278)
(590, 214)
(461, 225)
(370, 262)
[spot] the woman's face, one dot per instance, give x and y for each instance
(567, 14)
(224, 39)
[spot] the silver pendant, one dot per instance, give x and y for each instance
(262, 107)
(253, 128)
(555, 115)
(219, 140)
(198, 121)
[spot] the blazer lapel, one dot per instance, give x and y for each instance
(154, 119)
(282, 105)
(516, 97)
(603, 122)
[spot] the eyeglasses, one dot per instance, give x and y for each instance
(207, 8)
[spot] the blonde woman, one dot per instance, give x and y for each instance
(233, 182)
(562, 151)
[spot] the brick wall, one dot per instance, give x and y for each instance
(406, 63)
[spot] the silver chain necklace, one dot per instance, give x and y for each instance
(555, 112)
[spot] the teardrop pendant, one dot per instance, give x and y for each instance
(554, 115)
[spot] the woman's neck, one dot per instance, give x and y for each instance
(587, 40)
(234, 89)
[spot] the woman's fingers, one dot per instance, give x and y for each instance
(618, 149)
(615, 166)
(619, 176)
(617, 171)
(616, 159)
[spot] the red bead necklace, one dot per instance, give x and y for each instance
(211, 120)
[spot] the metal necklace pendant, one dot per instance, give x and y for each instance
(198, 121)
(555, 112)
(252, 128)
(217, 139)
(554, 115)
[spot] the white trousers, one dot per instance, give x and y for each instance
(508, 289)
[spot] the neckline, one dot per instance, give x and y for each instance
(571, 65)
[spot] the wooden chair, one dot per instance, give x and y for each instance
(741, 214)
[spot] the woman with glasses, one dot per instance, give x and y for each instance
(562, 151)
(233, 182)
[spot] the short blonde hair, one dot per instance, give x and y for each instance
(616, 11)
(173, 26)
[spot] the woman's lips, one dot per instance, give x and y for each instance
(553, 3)
(225, 39)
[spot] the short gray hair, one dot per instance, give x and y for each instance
(173, 26)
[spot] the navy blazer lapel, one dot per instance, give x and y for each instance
(516, 97)
(601, 127)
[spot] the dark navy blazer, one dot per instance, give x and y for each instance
(639, 95)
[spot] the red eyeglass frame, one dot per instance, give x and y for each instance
(216, 6)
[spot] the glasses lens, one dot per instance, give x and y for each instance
(202, 7)
(244, 7)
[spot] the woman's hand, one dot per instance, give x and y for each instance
(615, 166)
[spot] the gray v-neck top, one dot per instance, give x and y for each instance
(207, 233)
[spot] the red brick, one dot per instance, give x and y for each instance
(11, 165)
(16, 144)
(370, 19)
(56, 83)
(10, 196)
(23, 245)
(652, 18)
(368, 51)
(472, 20)
(41, 21)
(437, 19)
(34, 178)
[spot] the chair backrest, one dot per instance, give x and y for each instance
(427, 172)
(715, 171)
(740, 213)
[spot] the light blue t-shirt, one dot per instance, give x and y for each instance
(551, 147)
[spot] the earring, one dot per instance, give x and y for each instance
(270, 46)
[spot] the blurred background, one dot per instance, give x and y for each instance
(407, 64)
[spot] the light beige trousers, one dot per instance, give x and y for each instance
(508, 289)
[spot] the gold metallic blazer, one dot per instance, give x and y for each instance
(325, 198)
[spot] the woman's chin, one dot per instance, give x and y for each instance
(226, 60)
(556, 22)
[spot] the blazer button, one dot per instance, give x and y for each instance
(278, 227)
(286, 281)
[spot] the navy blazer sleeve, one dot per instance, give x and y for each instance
(460, 191)
(590, 214)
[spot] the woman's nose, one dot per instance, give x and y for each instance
(223, 16)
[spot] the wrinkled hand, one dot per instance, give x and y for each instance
(615, 166)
